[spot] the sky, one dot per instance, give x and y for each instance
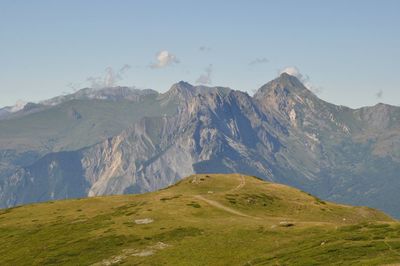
(347, 52)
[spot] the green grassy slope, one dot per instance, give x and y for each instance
(202, 220)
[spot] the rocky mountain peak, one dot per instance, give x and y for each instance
(288, 97)
(283, 86)
(184, 91)
(285, 94)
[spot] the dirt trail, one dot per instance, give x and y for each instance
(225, 208)
(241, 184)
(222, 207)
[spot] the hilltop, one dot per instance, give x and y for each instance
(204, 219)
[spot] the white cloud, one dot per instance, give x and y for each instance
(19, 105)
(305, 79)
(124, 68)
(74, 86)
(293, 71)
(379, 94)
(110, 78)
(258, 61)
(204, 49)
(205, 78)
(164, 58)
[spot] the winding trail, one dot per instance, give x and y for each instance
(241, 184)
(225, 208)
(222, 207)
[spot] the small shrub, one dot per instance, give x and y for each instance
(194, 204)
(170, 198)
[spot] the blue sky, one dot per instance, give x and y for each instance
(348, 51)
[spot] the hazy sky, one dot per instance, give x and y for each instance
(348, 51)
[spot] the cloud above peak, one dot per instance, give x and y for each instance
(204, 48)
(305, 79)
(379, 94)
(259, 61)
(110, 77)
(206, 77)
(293, 71)
(164, 58)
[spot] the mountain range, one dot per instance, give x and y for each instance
(123, 140)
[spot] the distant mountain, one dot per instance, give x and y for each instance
(284, 133)
(77, 121)
(112, 94)
(5, 111)
(22, 108)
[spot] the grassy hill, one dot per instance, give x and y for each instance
(202, 220)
